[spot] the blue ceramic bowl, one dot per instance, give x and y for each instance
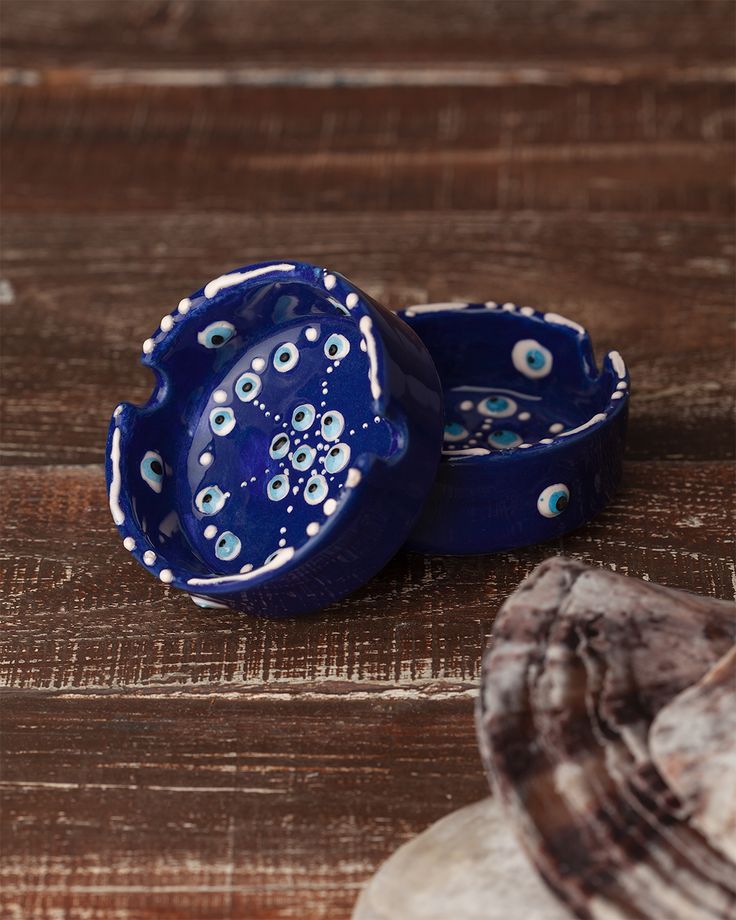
(287, 448)
(534, 434)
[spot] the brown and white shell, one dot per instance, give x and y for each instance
(621, 821)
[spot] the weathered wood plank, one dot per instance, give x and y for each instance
(95, 32)
(80, 615)
(89, 290)
(641, 144)
(129, 809)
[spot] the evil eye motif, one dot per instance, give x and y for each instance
(216, 334)
(337, 458)
(211, 499)
(504, 439)
(248, 386)
(278, 487)
(455, 432)
(336, 347)
(285, 357)
(279, 446)
(315, 491)
(227, 546)
(303, 458)
(497, 406)
(222, 421)
(303, 417)
(531, 358)
(553, 500)
(332, 425)
(152, 470)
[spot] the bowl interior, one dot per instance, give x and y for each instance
(251, 461)
(509, 379)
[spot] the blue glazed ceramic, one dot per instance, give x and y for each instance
(534, 434)
(287, 448)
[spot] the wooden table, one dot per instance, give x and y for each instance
(161, 760)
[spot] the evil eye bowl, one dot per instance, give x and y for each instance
(290, 441)
(534, 434)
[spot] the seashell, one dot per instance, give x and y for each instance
(466, 866)
(693, 742)
(581, 663)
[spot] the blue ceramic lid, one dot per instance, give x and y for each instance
(288, 446)
(534, 432)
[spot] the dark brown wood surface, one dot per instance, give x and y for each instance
(160, 760)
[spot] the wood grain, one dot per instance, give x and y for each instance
(81, 615)
(593, 143)
(89, 290)
(227, 32)
(219, 807)
(163, 761)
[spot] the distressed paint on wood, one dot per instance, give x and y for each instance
(89, 290)
(213, 807)
(80, 614)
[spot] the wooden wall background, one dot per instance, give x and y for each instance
(160, 760)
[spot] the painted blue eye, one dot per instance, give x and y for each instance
(279, 446)
(303, 417)
(504, 439)
(336, 347)
(211, 499)
(455, 432)
(227, 546)
(152, 470)
(303, 458)
(332, 425)
(337, 458)
(553, 500)
(222, 421)
(315, 491)
(285, 357)
(497, 406)
(216, 334)
(531, 359)
(248, 386)
(278, 487)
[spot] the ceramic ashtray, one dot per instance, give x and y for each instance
(534, 434)
(288, 446)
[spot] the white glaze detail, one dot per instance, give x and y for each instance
(167, 323)
(312, 529)
(206, 458)
(148, 346)
(210, 531)
(353, 478)
(564, 321)
(225, 281)
(366, 327)
(166, 576)
(329, 282)
(618, 363)
(466, 452)
(185, 305)
(329, 506)
(129, 544)
(555, 428)
(591, 421)
(149, 557)
(435, 307)
(312, 333)
(219, 396)
(258, 364)
(524, 416)
(207, 604)
(281, 557)
(115, 509)
(351, 301)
